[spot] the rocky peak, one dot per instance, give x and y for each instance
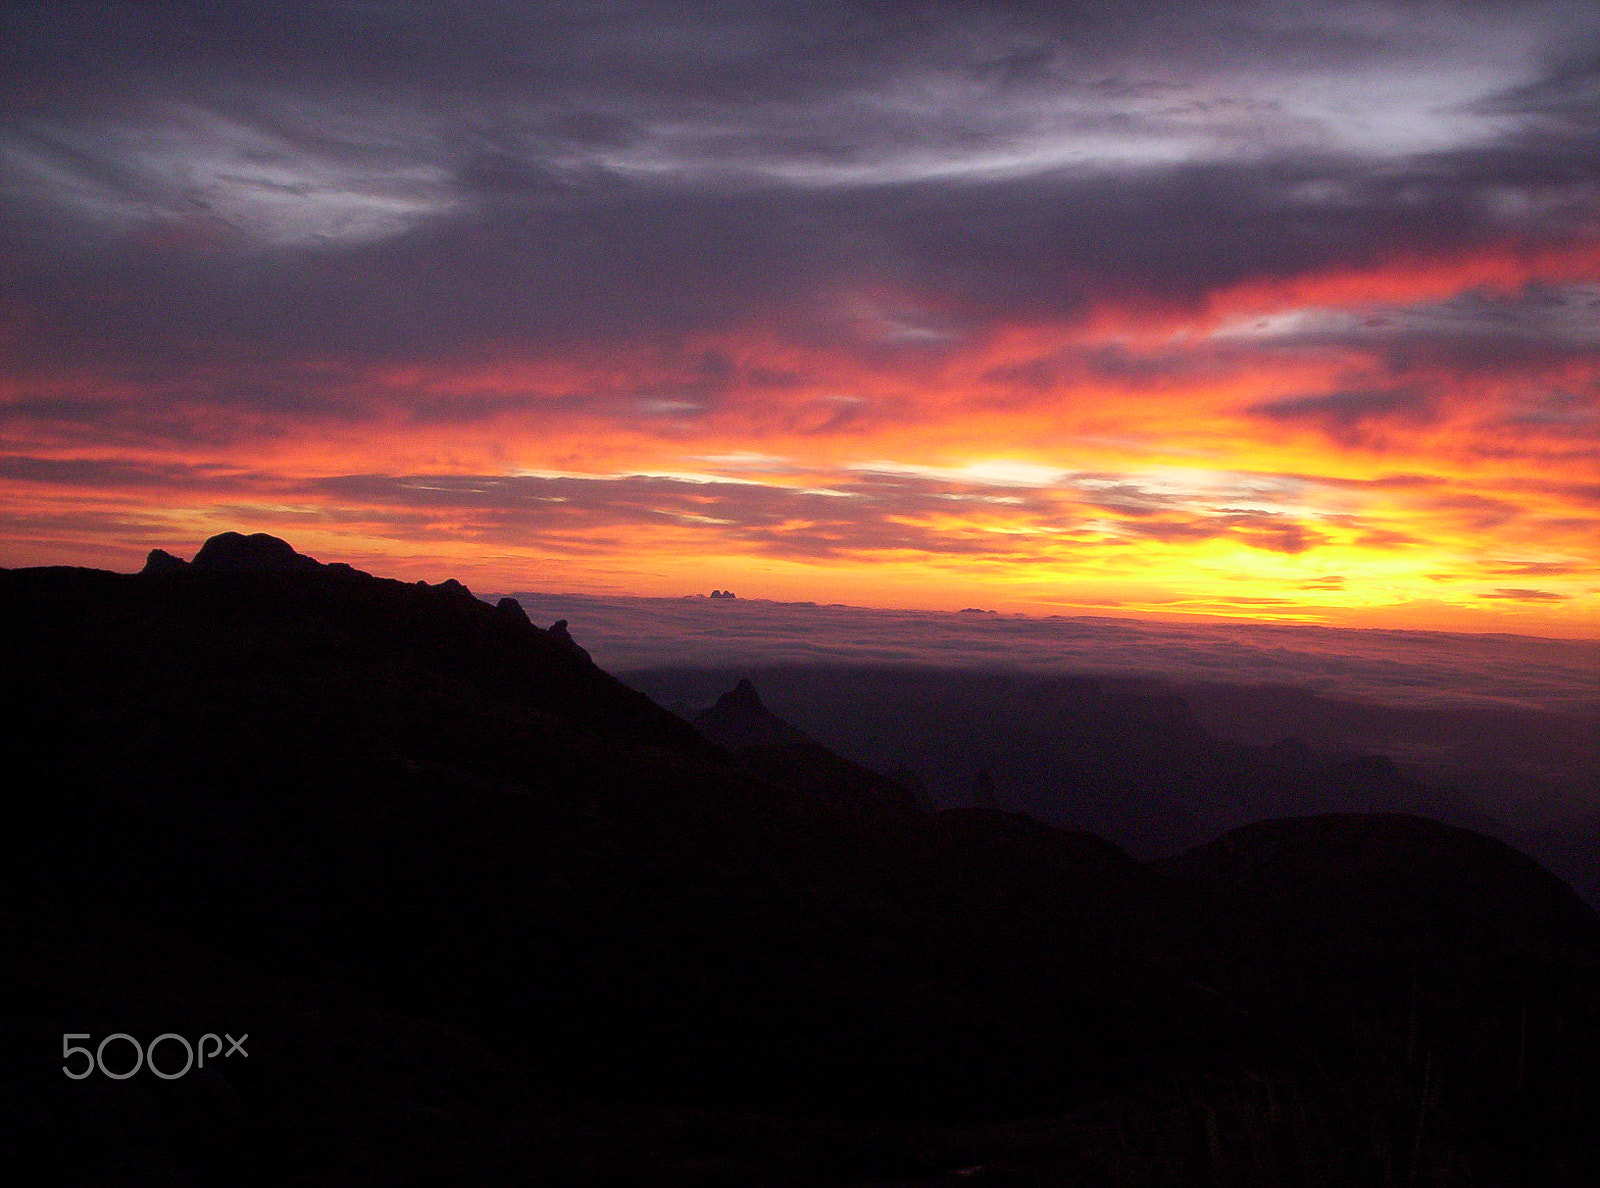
(739, 719)
(560, 635)
(161, 561)
(512, 609)
(233, 552)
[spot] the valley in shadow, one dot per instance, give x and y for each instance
(1159, 766)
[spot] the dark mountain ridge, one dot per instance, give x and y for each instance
(489, 915)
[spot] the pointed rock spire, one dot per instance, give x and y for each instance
(739, 719)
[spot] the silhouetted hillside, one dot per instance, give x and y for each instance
(490, 916)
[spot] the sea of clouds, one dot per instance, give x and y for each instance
(1387, 667)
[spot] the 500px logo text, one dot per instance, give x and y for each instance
(146, 1054)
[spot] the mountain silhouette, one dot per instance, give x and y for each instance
(786, 755)
(231, 552)
(739, 719)
(488, 915)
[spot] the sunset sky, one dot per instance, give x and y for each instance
(1275, 311)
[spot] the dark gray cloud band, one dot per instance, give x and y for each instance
(399, 181)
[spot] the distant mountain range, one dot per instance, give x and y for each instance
(1083, 752)
(488, 915)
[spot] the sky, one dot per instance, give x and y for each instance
(1284, 312)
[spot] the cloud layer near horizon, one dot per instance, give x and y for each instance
(1263, 309)
(1405, 669)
